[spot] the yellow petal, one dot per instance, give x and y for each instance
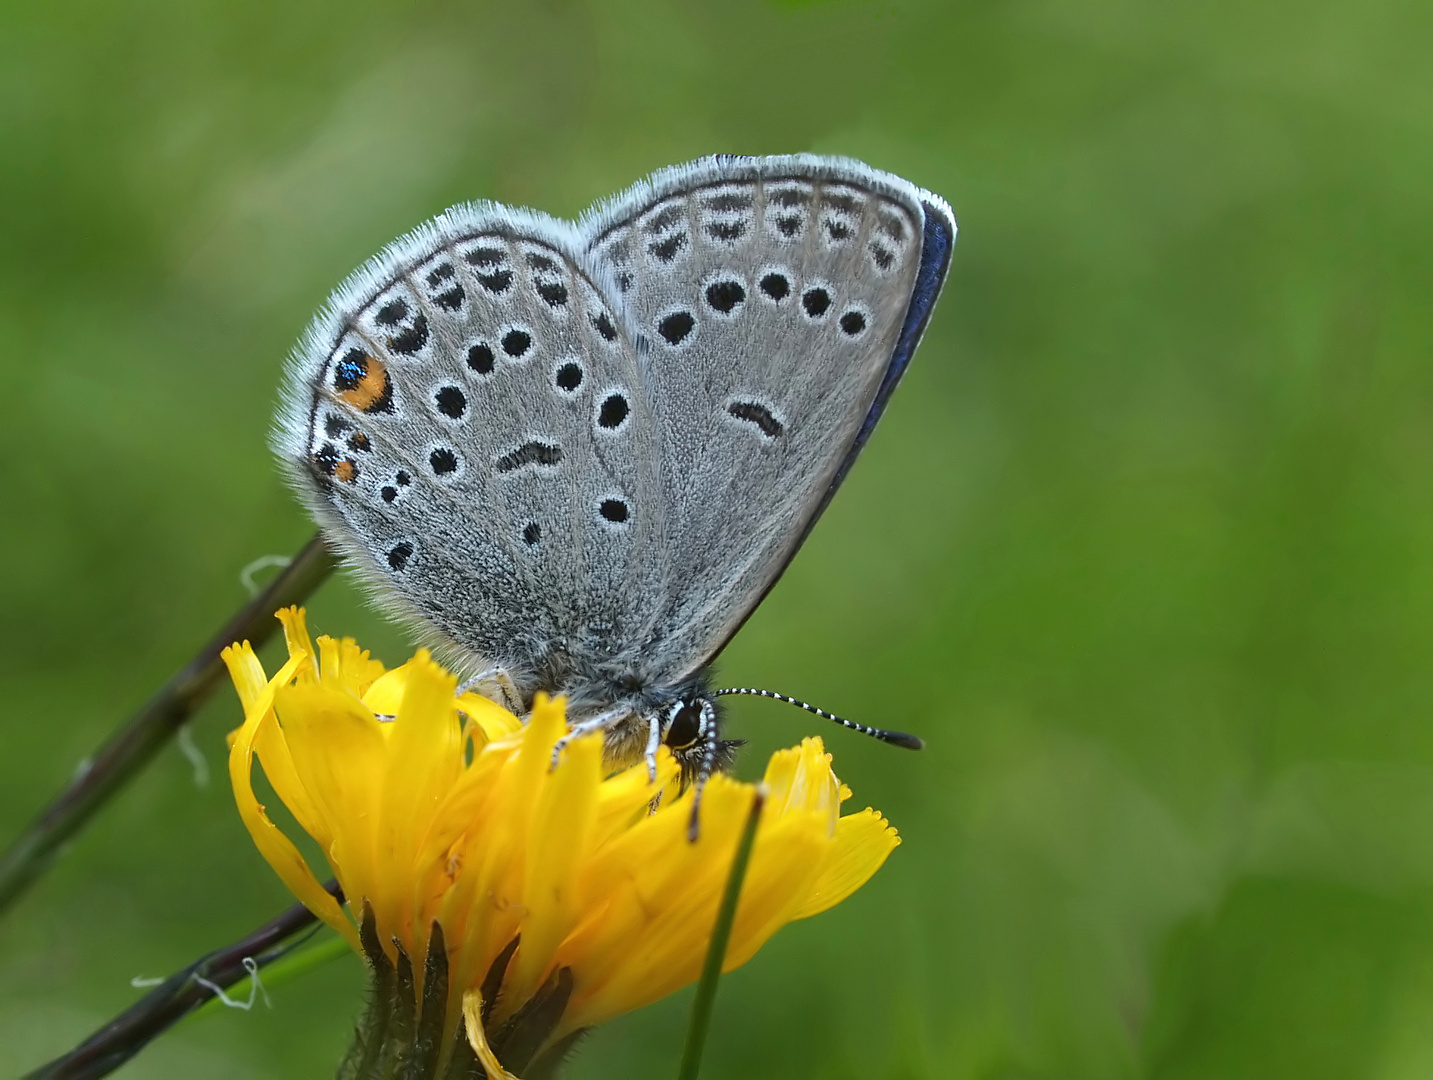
(801, 778)
(338, 756)
(556, 846)
(424, 754)
(468, 803)
(788, 855)
(623, 799)
(273, 751)
(494, 721)
(357, 670)
(674, 942)
(486, 901)
(647, 896)
(256, 695)
(862, 843)
(297, 639)
(276, 848)
(386, 692)
(246, 672)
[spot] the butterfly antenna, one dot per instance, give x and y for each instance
(895, 738)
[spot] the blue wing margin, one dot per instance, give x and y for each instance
(937, 244)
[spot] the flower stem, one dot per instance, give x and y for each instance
(701, 1018)
(132, 747)
(177, 996)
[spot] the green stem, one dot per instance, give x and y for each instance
(701, 1019)
(132, 747)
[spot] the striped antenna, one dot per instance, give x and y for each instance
(895, 738)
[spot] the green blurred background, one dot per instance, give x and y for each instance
(1144, 546)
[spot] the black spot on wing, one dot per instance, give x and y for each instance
(728, 201)
(489, 265)
(815, 301)
(603, 326)
(755, 413)
(569, 376)
(726, 230)
(613, 411)
(350, 370)
(451, 402)
(666, 250)
(495, 281)
(725, 296)
(776, 286)
(790, 197)
(326, 458)
(675, 327)
(530, 453)
(392, 313)
(411, 338)
(442, 277)
(516, 343)
(480, 359)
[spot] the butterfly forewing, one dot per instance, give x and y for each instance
(773, 293)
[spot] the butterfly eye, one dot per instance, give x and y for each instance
(685, 727)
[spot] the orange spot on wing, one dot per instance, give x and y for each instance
(370, 389)
(345, 471)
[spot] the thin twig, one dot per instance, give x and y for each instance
(131, 748)
(180, 994)
(701, 1018)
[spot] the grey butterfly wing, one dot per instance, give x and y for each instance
(467, 421)
(783, 298)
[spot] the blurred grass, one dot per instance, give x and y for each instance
(1143, 546)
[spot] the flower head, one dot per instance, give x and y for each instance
(557, 893)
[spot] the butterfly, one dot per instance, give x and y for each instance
(576, 456)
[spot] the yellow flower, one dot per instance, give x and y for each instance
(559, 892)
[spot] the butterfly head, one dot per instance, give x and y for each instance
(691, 730)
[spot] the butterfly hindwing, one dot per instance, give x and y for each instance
(469, 423)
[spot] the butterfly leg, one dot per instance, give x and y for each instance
(601, 722)
(654, 740)
(512, 700)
